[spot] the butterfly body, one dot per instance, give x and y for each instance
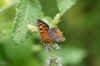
(48, 34)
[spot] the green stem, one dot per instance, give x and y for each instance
(53, 60)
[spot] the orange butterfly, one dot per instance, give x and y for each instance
(48, 34)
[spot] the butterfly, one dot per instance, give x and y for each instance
(49, 34)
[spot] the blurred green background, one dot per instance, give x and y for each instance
(80, 26)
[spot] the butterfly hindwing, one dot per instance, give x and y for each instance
(55, 34)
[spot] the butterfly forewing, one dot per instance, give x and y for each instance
(43, 28)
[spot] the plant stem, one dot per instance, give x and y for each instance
(53, 60)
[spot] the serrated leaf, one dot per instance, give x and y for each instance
(64, 5)
(27, 12)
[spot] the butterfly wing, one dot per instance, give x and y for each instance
(55, 34)
(49, 34)
(43, 28)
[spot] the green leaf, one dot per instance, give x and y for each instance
(27, 12)
(64, 5)
(49, 7)
(2, 3)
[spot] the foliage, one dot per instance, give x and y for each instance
(27, 12)
(79, 22)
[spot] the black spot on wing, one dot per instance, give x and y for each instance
(41, 29)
